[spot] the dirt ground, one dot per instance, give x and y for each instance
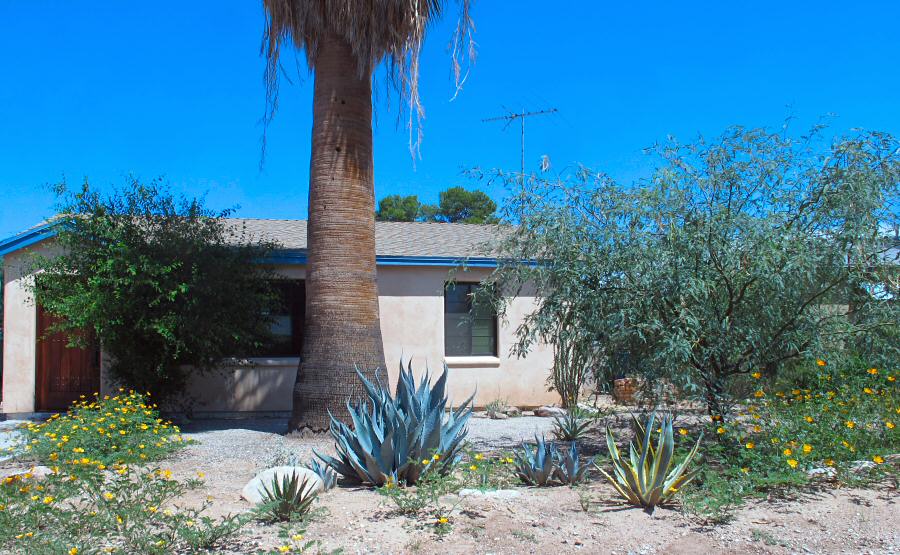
(545, 520)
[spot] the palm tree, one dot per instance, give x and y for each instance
(344, 41)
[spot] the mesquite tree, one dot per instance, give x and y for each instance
(737, 255)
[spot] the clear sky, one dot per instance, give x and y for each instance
(103, 89)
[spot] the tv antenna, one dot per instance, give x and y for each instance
(521, 116)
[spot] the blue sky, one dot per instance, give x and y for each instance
(174, 89)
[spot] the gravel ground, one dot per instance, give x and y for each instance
(537, 520)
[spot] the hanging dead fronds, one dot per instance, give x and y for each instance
(390, 31)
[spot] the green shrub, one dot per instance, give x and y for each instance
(88, 509)
(836, 415)
(121, 429)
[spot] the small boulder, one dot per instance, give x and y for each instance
(547, 411)
(35, 473)
(253, 491)
(512, 412)
(497, 415)
(824, 473)
(861, 467)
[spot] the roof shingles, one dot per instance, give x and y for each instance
(406, 239)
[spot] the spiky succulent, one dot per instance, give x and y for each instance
(536, 466)
(324, 472)
(569, 468)
(287, 497)
(645, 478)
(572, 426)
(395, 438)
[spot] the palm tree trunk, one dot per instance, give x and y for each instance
(342, 329)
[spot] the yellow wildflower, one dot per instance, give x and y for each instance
(720, 430)
(792, 463)
(878, 459)
(821, 362)
(473, 468)
(682, 431)
(479, 456)
(807, 448)
(788, 452)
(889, 425)
(851, 424)
(750, 445)
(757, 375)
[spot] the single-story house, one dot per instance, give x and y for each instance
(420, 318)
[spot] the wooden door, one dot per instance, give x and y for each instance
(62, 373)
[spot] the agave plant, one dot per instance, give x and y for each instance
(287, 497)
(569, 468)
(324, 472)
(572, 426)
(538, 466)
(645, 479)
(395, 438)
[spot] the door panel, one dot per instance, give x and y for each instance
(62, 373)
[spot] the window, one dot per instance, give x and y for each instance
(287, 322)
(467, 332)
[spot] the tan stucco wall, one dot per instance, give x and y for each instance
(412, 322)
(19, 331)
(412, 325)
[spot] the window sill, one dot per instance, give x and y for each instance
(261, 362)
(472, 362)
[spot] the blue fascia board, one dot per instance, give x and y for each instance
(283, 256)
(26, 239)
(298, 257)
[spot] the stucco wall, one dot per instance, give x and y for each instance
(412, 325)
(412, 322)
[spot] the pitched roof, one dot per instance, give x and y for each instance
(401, 239)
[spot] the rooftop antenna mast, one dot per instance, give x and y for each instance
(521, 116)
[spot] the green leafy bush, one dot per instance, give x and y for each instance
(401, 435)
(645, 479)
(167, 286)
(124, 428)
(835, 415)
(88, 508)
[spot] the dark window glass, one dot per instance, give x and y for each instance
(467, 332)
(287, 322)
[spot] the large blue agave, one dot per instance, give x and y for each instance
(391, 439)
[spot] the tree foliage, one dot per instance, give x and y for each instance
(162, 282)
(738, 255)
(397, 208)
(456, 205)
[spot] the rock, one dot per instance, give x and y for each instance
(825, 473)
(497, 416)
(546, 411)
(479, 414)
(491, 493)
(36, 472)
(512, 412)
(861, 467)
(253, 491)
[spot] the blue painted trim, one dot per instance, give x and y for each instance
(298, 257)
(286, 256)
(25, 239)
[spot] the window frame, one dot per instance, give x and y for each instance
(494, 324)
